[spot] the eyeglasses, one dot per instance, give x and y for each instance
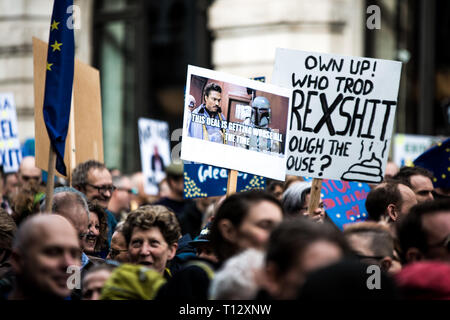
(103, 189)
(27, 178)
(443, 244)
(114, 252)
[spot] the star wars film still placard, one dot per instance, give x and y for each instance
(235, 123)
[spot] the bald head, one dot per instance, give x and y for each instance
(32, 230)
(389, 199)
(45, 246)
(28, 171)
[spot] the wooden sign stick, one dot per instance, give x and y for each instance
(50, 180)
(72, 155)
(232, 182)
(314, 198)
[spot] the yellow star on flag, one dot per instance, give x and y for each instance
(49, 66)
(54, 25)
(56, 46)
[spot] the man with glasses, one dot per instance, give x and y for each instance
(424, 234)
(119, 204)
(28, 172)
(94, 180)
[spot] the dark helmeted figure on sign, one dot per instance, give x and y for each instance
(260, 118)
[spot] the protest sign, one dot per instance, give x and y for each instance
(155, 152)
(85, 137)
(202, 180)
(236, 123)
(343, 111)
(344, 201)
(10, 152)
(407, 147)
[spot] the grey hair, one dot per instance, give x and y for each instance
(79, 197)
(294, 197)
(236, 279)
(119, 226)
(118, 180)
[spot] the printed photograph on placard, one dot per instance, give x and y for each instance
(155, 152)
(235, 115)
(239, 114)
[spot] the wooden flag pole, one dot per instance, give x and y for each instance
(50, 180)
(232, 182)
(72, 150)
(314, 199)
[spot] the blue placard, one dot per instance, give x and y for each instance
(345, 201)
(202, 180)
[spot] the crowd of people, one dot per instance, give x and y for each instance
(105, 239)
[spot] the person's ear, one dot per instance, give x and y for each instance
(386, 264)
(227, 230)
(392, 212)
(172, 251)
(413, 255)
(269, 279)
(170, 182)
(16, 261)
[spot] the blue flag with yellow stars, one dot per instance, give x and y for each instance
(437, 160)
(59, 79)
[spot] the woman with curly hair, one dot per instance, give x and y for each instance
(151, 233)
(95, 242)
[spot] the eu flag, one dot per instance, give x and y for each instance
(437, 160)
(59, 79)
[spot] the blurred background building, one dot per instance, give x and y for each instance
(142, 49)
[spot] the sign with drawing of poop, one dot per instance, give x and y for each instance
(366, 171)
(342, 114)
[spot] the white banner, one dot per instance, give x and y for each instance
(155, 152)
(10, 152)
(343, 111)
(407, 147)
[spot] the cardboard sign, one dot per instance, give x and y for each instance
(345, 201)
(408, 147)
(10, 152)
(155, 152)
(243, 127)
(343, 110)
(85, 136)
(207, 181)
